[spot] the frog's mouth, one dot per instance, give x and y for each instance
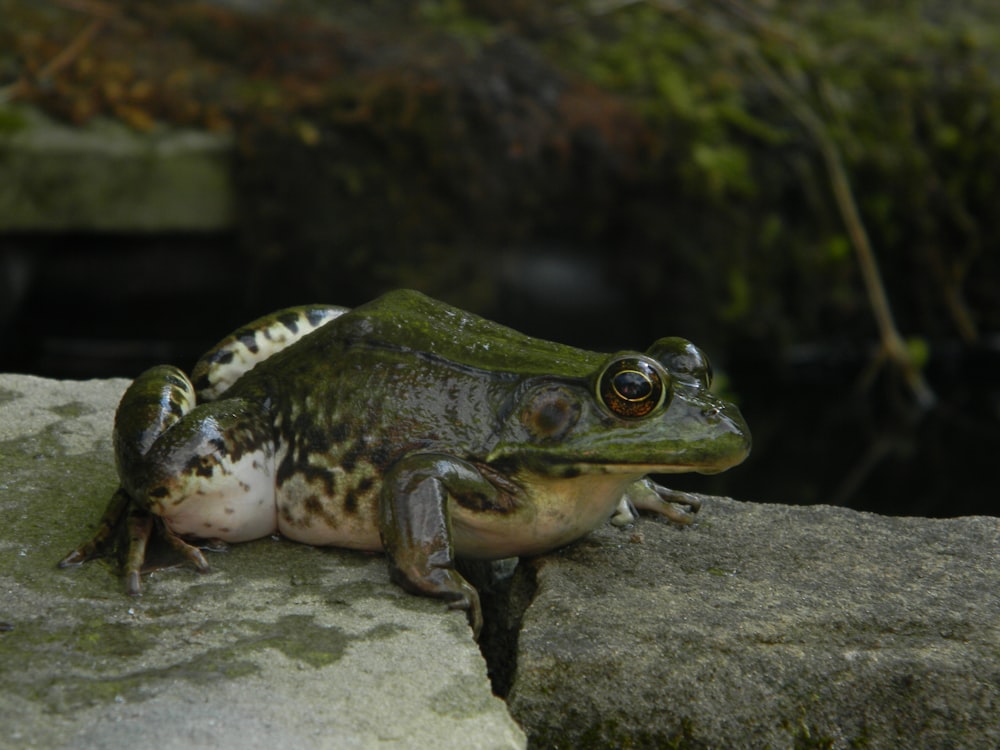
(574, 468)
(628, 458)
(641, 469)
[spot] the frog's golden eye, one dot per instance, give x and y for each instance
(632, 387)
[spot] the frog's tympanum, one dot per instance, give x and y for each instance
(409, 427)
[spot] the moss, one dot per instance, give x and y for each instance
(72, 409)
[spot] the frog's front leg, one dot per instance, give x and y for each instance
(645, 494)
(416, 529)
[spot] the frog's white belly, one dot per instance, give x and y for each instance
(235, 503)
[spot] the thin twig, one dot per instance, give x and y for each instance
(894, 349)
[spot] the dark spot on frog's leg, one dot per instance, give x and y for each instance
(201, 383)
(176, 382)
(365, 484)
(159, 492)
(223, 357)
(290, 321)
(315, 316)
(248, 338)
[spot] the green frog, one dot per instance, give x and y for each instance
(409, 427)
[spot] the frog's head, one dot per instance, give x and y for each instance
(636, 414)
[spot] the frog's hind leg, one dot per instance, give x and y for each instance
(154, 402)
(238, 353)
(202, 472)
(211, 476)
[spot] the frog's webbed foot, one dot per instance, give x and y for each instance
(103, 541)
(141, 526)
(441, 583)
(123, 518)
(649, 496)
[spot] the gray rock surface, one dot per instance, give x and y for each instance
(760, 626)
(767, 626)
(280, 646)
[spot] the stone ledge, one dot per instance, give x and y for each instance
(760, 626)
(766, 626)
(107, 177)
(281, 645)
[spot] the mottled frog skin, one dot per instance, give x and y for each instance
(413, 428)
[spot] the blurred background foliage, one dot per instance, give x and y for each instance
(602, 172)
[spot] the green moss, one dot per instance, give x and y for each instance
(80, 655)
(301, 638)
(72, 409)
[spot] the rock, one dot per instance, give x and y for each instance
(766, 626)
(759, 626)
(106, 177)
(280, 645)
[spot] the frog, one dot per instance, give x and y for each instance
(411, 428)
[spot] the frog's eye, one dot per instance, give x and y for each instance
(632, 387)
(685, 361)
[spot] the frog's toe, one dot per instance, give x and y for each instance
(675, 505)
(443, 583)
(469, 601)
(677, 515)
(625, 513)
(141, 528)
(189, 552)
(78, 556)
(103, 540)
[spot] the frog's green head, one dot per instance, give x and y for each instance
(635, 414)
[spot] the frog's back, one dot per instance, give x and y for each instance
(410, 321)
